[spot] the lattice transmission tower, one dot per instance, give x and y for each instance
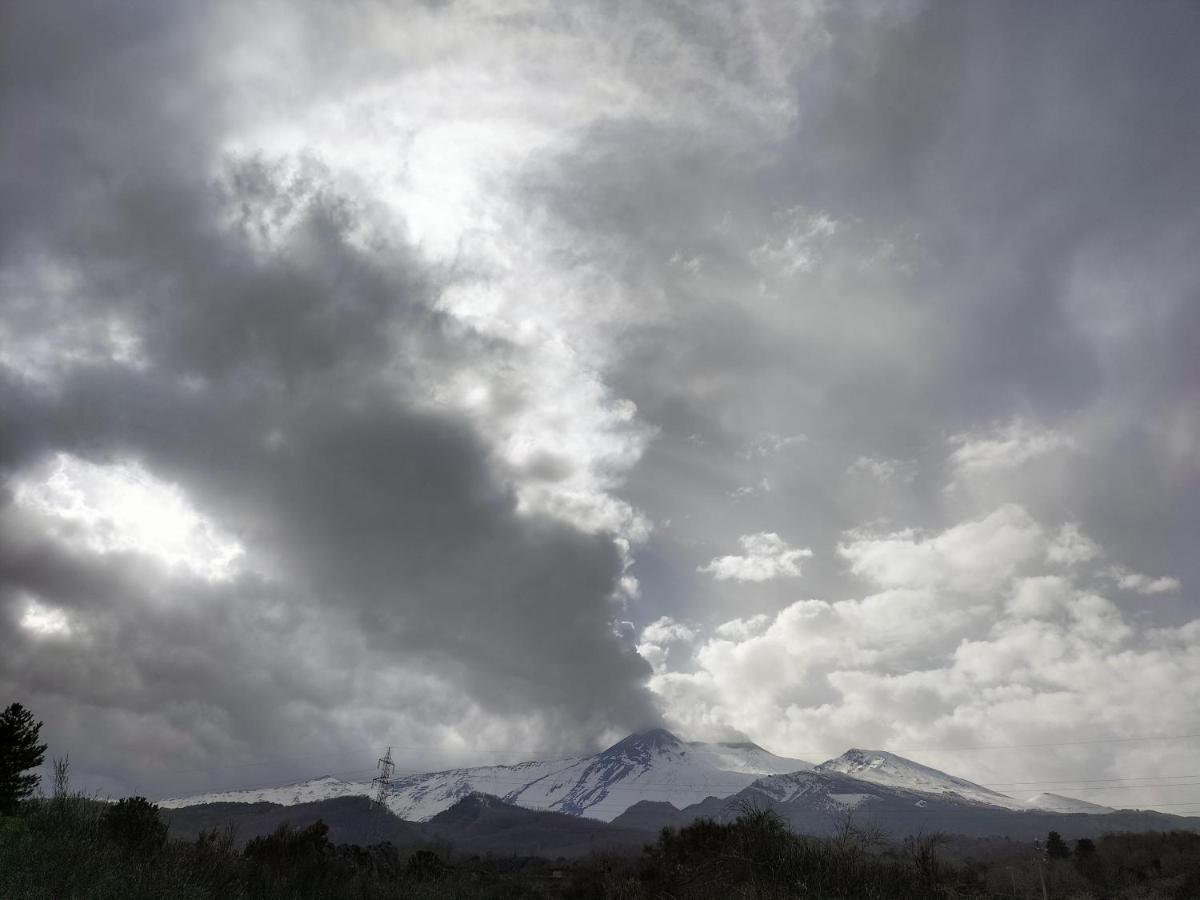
(382, 783)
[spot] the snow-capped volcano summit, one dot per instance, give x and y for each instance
(649, 765)
(657, 767)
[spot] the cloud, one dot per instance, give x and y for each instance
(740, 629)
(1129, 580)
(770, 444)
(121, 508)
(659, 637)
(767, 556)
(884, 471)
(935, 657)
(290, 467)
(1071, 547)
(1003, 448)
(799, 247)
(465, 327)
(972, 557)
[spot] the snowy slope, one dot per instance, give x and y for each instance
(746, 757)
(656, 766)
(325, 788)
(1059, 803)
(888, 770)
(788, 787)
(418, 798)
(653, 765)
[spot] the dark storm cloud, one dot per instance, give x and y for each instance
(280, 378)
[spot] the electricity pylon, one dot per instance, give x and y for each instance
(383, 781)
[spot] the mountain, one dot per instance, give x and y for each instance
(651, 779)
(325, 788)
(889, 770)
(480, 823)
(476, 824)
(652, 765)
(1058, 803)
(901, 797)
(351, 820)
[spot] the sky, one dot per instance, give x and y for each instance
(491, 380)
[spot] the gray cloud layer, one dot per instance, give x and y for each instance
(282, 340)
(480, 332)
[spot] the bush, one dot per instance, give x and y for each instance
(134, 823)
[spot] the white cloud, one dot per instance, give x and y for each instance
(121, 508)
(751, 490)
(45, 621)
(1128, 580)
(740, 629)
(659, 636)
(798, 244)
(1071, 547)
(965, 639)
(974, 556)
(766, 556)
(1003, 448)
(770, 444)
(666, 630)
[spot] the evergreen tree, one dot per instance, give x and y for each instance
(19, 752)
(1056, 847)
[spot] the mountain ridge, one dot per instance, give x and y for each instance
(657, 767)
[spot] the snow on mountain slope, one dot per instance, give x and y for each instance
(744, 756)
(815, 789)
(653, 765)
(324, 788)
(792, 786)
(888, 770)
(1061, 804)
(418, 798)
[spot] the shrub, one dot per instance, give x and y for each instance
(134, 823)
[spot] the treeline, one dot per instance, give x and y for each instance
(68, 846)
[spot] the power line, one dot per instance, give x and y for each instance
(535, 755)
(480, 782)
(1127, 787)
(1087, 780)
(1124, 740)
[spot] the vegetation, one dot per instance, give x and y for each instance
(1056, 847)
(69, 846)
(19, 753)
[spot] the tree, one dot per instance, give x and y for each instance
(134, 823)
(19, 752)
(1085, 848)
(1056, 847)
